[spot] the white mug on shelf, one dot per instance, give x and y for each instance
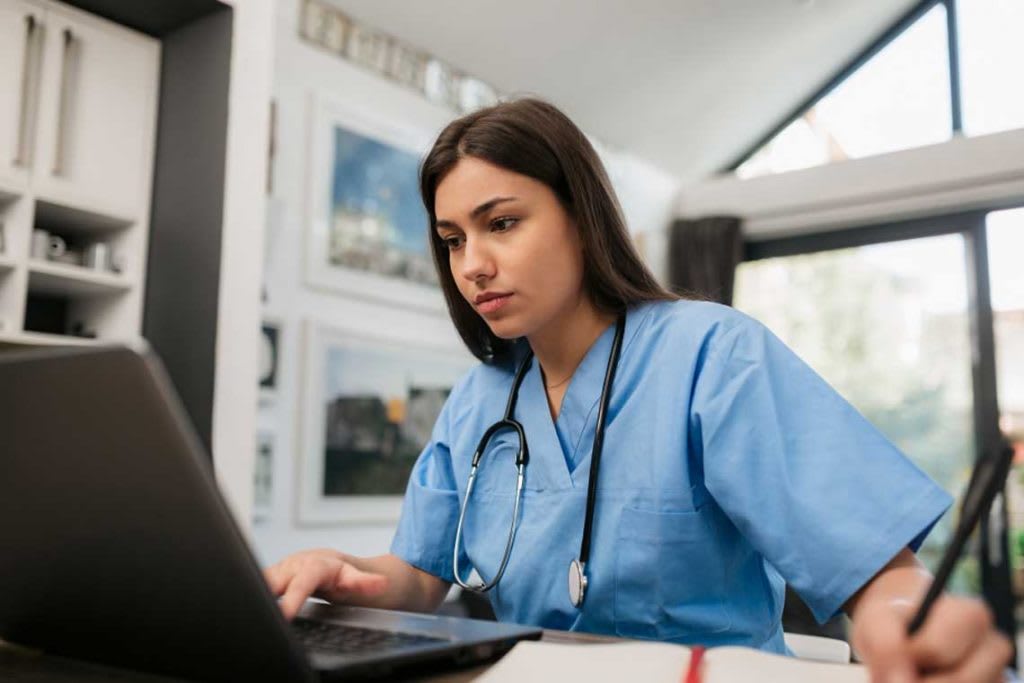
(56, 248)
(116, 262)
(40, 244)
(97, 256)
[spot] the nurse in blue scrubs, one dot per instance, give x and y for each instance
(725, 467)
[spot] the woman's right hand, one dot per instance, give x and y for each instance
(322, 573)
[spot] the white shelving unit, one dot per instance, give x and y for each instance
(78, 102)
(58, 279)
(42, 339)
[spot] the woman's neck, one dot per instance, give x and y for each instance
(561, 345)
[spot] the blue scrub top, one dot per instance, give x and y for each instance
(729, 469)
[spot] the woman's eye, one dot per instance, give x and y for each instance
(452, 243)
(502, 224)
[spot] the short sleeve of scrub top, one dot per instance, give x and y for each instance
(814, 487)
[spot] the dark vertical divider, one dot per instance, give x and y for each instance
(183, 273)
(996, 580)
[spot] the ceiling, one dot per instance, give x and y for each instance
(683, 84)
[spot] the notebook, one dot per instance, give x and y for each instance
(656, 662)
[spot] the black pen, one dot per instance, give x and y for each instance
(988, 479)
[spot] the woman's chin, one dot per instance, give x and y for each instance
(507, 336)
(505, 329)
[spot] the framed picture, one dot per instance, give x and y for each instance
(441, 84)
(367, 228)
(407, 66)
(324, 26)
(270, 345)
(369, 407)
(368, 47)
(263, 477)
(475, 94)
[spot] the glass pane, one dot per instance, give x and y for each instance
(991, 56)
(797, 146)
(898, 100)
(872, 321)
(1005, 254)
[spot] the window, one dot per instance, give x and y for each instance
(991, 57)
(887, 315)
(887, 325)
(897, 100)
(1005, 236)
(903, 96)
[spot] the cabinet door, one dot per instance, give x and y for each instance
(97, 117)
(21, 28)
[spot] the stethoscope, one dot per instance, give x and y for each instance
(577, 568)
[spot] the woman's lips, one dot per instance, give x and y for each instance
(492, 305)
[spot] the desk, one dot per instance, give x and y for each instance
(21, 666)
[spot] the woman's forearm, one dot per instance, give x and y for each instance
(409, 588)
(903, 581)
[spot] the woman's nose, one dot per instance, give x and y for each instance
(477, 262)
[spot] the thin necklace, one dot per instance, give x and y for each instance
(555, 386)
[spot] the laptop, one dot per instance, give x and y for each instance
(116, 546)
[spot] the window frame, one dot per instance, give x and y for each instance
(997, 588)
(864, 56)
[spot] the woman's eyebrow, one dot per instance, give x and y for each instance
(483, 208)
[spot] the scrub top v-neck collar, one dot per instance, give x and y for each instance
(558, 447)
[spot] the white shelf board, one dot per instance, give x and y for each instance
(7, 263)
(66, 280)
(66, 217)
(8, 193)
(44, 339)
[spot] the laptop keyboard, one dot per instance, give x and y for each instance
(345, 639)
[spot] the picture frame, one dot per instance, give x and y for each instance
(407, 66)
(366, 228)
(475, 94)
(263, 477)
(368, 47)
(270, 358)
(441, 83)
(369, 404)
(324, 26)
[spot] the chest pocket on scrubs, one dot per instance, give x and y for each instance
(668, 581)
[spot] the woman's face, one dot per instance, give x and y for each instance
(514, 251)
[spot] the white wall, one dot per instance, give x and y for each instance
(301, 70)
(238, 308)
(648, 197)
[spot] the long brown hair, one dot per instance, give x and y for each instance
(531, 137)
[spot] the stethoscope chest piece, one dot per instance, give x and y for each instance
(577, 583)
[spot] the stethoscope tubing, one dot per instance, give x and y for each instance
(522, 459)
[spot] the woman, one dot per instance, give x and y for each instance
(728, 468)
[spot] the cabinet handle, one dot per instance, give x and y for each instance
(21, 157)
(62, 106)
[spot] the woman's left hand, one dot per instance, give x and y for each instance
(958, 642)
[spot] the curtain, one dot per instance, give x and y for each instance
(703, 255)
